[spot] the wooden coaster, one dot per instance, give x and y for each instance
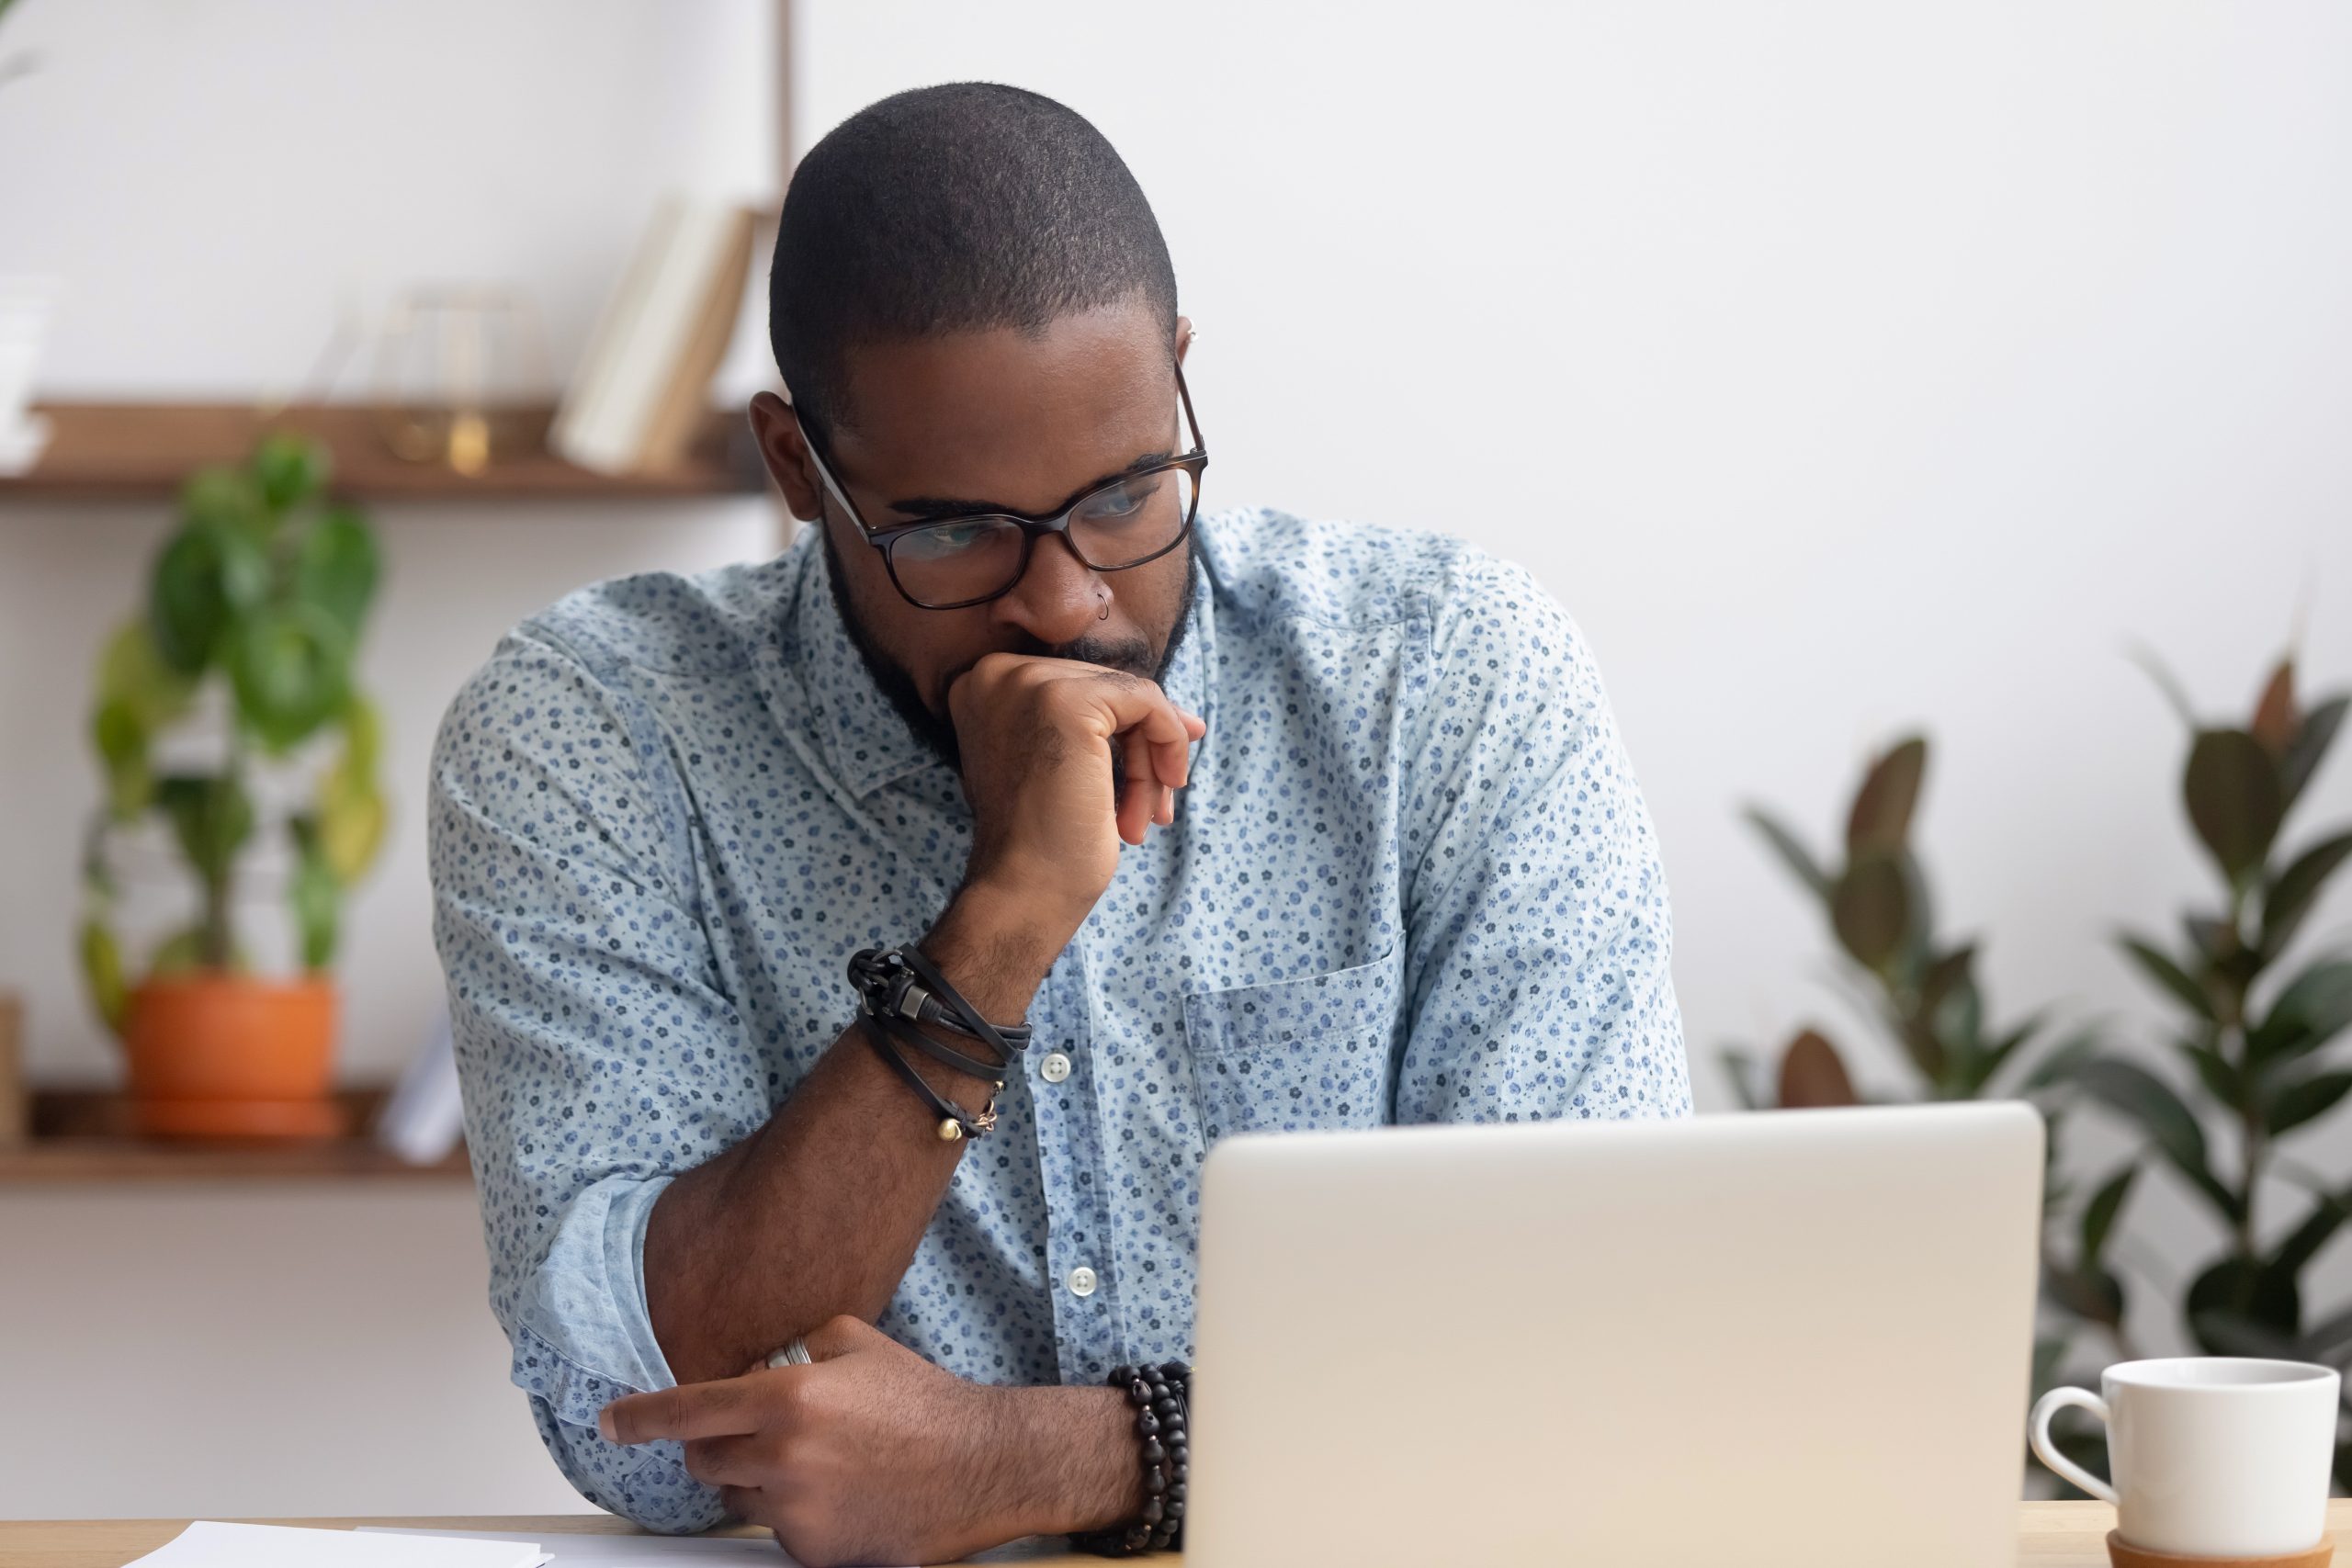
(2123, 1554)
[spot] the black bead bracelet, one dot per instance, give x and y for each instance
(1161, 1397)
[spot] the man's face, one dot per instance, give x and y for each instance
(997, 421)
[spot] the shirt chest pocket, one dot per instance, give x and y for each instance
(1296, 1055)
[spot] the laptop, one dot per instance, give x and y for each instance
(1799, 1338)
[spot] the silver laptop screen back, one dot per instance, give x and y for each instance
(1657, 1343)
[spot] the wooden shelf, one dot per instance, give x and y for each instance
(84, 1137)
(146, 451)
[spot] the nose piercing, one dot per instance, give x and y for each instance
(1106, 606)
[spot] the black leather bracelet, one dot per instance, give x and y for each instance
(901, 982)
(1162, 1398)
(953, 1123)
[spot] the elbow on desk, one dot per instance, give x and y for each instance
(646, 1485)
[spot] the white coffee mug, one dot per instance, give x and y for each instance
(2214, 1456)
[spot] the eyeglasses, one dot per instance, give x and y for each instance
(952, 563)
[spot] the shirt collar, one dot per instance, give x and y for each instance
(866, 741)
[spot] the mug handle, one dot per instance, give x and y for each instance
(2048, 1405)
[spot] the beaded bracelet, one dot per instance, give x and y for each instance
(1161, 1396)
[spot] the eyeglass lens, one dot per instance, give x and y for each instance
(1121, 524)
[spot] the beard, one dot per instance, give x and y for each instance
(1131, 656)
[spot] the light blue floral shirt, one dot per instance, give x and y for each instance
(1412, 880)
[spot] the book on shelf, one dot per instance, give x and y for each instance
(643, 383)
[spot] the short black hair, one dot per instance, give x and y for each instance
(961, 207)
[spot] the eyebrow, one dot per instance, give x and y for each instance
(923, 508)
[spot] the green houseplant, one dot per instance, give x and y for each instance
(2253, 1035)
(238, 671)
(1922, 992)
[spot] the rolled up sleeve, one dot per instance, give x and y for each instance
(597, 1049)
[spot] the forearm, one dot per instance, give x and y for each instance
(819, 1211)
(1074, 1464)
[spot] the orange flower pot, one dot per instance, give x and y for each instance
(217, 1056)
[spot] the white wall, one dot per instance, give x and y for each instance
(216, 185)
(1842, 367)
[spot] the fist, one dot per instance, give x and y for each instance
(1039, 739)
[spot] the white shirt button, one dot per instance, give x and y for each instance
(1054, 1068)
(1081, 1281)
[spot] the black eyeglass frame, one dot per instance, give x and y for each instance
(1032, 526)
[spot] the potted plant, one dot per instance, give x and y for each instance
(2251, 1051)
(228, 727)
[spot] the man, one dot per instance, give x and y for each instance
(1257, 824)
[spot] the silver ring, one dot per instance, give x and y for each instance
(793, 1354)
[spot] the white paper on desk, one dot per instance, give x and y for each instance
(208, 1544)
(634, 1550)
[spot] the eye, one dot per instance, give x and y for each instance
(1124, 500)
(931, 544)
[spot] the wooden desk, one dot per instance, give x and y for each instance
(2050, 1535)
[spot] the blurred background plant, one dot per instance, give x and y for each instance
(260, 593)
(1921, 992)
(2253, 1033)
(20, 64)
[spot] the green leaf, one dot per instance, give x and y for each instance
(101, 957)
(2098, 1215)
(2236, 1302)
(2303, 1243)
(2313, 1008)
(2306, 1100)
(1952, 971)
(212, 818)
(351, 817)
(2216, 1072)
(1812, 1075)
(2214, 941)
(290, 468)
(2329, 1338)
(1739, 1071)
(132, 671)
(227, 499)
(1792, 854)
(290, 665)
(1881, 818)
(335, 568)
(204, 579)
(2133, 1091)
(2174, 695)
(2091, 1293)
(363, 737)
(2275, 718)
(1870, 909)
(2311, 744)
(2224, 1331)
(2168, 975)
(2063, 1064)
(122, 742)
(316, 895)
(1997, 1055)
(2290, 898)
(2231, 788)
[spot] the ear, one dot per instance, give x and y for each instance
(785, 451)
(1183, 337)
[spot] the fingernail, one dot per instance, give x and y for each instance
(604, 1425)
